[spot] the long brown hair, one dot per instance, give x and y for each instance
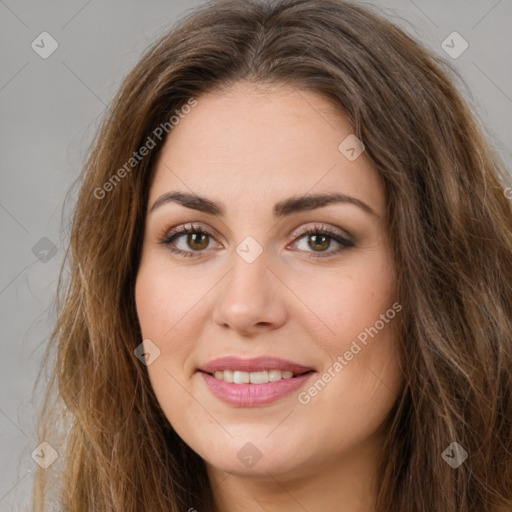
(450, 226)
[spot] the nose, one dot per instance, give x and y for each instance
(250, 299)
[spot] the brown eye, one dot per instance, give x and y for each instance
(319, 242)
(194, 240)
(197, 241)
(319, 239)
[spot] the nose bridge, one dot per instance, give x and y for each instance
(250, 273)
(248, 296)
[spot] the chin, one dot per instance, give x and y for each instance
(254, 456)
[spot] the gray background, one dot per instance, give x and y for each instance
(50, 109)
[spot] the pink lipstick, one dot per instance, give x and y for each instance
(252, 382)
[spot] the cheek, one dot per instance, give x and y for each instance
(160, 307)
(163, 298)
(172, 314)
(149, 303)
(358, 305)
(349, 299)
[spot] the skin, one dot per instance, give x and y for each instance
(249, 147)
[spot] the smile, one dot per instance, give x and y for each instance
(261, 377)
(255, 381)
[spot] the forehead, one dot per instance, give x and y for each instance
(249, 143)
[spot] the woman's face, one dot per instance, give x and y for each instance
(247, 283)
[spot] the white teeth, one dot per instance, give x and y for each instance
(261, 377)
(258, 377)
(241, 377)
(274, 375)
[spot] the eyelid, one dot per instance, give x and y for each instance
(167, 233)
(325, 227)
(192, 226)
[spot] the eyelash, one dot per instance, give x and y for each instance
(170, 237)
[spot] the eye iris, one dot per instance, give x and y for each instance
(316, 240)
(192, 239)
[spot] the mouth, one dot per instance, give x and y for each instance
(258, 377)
(253, 382)
(273, 366)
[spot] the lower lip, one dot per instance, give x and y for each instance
(249, 395)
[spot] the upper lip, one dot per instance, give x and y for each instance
(253, 365)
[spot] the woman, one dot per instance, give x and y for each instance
(291, 279)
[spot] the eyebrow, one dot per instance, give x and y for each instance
(283, 208)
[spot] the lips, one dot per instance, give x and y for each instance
(245, 391)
